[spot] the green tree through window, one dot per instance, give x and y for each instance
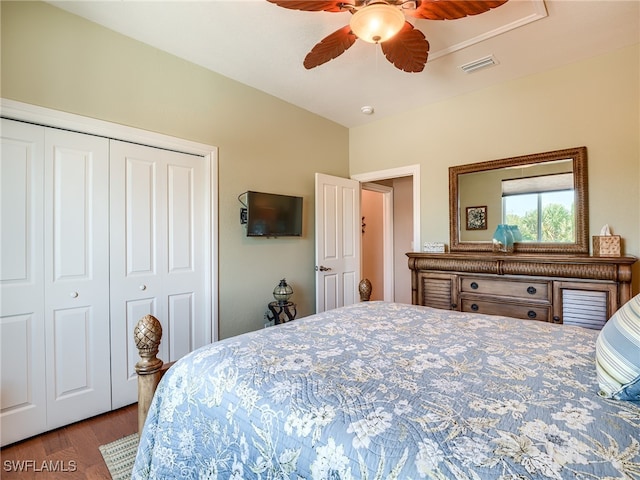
(542, 217)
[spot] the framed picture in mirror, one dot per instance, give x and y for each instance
(477, 218)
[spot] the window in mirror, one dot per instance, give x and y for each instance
(542, 207)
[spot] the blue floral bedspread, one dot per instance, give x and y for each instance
(388, 391)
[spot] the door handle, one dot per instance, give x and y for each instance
(322, 268)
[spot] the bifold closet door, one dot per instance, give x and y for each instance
(54, 279)
(159, 261)
(76, 273)
(23, 386)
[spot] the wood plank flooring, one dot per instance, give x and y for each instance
(74, 447)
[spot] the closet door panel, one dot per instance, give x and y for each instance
(76, 276)
(72, 329)
(185, 277)
(71, 201)
(21, 203)
(17, 332)
(159, 221)
(180, 217)
(23, 394)
(140, 207)
(135, 310)
(22, 351)
(136, 240)
(181, 322)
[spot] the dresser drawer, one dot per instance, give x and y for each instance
(514, 288)
(529, 312)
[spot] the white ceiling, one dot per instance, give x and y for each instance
(263, 45)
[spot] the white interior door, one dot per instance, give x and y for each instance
(159, 265)
(338, 230)
(76, 233)
(23, 387)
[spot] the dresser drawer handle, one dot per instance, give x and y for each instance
(475, 307)
(531, 314)
(474, 285)
(531, 290)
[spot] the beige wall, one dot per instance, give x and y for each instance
(402, 236)
(60, 61)
(595, 103)
(57, 60)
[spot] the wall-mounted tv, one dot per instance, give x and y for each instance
(273, 215)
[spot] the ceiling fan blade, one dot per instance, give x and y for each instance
(314, 5)
(330, 47)
(452, 9)
(407, 50)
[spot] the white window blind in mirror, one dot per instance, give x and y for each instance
(538, 184)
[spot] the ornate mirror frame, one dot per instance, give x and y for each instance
(581, 245)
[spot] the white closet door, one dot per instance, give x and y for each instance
(76, 260)
(23, 394)
(159, 241)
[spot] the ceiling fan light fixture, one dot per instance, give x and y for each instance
(377, 22)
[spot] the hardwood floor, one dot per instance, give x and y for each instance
(72, 450)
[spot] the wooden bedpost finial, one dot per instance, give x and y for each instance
(147, 335)
(364, 287)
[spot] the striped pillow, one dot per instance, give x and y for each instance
(618, 354)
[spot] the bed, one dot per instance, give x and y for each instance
(380, 390)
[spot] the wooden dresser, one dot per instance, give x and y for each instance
(578, 290)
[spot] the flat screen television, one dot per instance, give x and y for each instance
(273, 215)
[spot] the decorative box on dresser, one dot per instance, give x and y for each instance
(569, 289)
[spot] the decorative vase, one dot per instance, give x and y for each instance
(282, 292)
(503, 239)
(515, 233)
(364, 287)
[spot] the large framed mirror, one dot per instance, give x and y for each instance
(545, 194)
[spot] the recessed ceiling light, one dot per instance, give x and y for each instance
(367, 110)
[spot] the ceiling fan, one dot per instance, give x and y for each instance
(383, 22)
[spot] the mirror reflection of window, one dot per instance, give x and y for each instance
(543, 207)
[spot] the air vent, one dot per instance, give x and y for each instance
(478, 64)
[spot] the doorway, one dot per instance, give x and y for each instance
(390, 204)
(376, 208)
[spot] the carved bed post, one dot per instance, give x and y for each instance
(147, 335)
